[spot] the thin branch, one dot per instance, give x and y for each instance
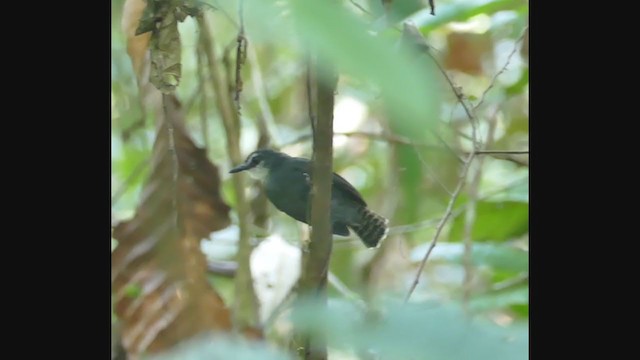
(461, 181)
(470, 218)
(136, 125)
(345, 291)
(446, 145)
(431, 172)
(360, 7)
(267, 120)
(391, 138)
(284, 305)
(514, 281)
(246, 305)
(241, 54)
(174, 157)
(316, 266)
(223, 268)
(503, 69)
(502, 152)
(457, 90)
(441, 223)
(397, 139)
(191, 99)
(311, 112)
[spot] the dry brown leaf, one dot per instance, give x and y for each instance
(467, 51)
(159, 282)
(137, 45)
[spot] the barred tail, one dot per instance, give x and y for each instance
(371, 228)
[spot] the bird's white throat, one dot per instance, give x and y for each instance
(259, 172)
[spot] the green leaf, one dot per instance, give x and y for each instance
(495, 221)
(496, 256)
(522, 310)
(414, 331)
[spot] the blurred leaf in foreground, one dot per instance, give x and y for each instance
(210, 348)
(416, 331)
(158, 250)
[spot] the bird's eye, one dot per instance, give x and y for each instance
(254, 160)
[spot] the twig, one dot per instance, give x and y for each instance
(241, 54)
(284, 304)
(311, 112)
(397, 139)
(174, 157)
(345, 291)
(431, 172)
(441, 223)
(501, 152)
(470, 218)
(517, 280)
(316, 267)
(446, 145)
(360, 7)
(391, 138)
(432, 5)
(465, 168)
(503, 69)
(191, 99)
(267, 120)
(246, 306)
(129, 130)
(223, 268)
(127, 182)
(457, 91)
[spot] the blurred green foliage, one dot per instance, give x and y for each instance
(382, 90)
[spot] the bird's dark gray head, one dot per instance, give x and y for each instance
(260, 161)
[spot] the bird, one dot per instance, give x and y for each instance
(287, 181)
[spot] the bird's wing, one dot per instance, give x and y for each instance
(339, 183)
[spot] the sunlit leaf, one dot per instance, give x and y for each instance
(495, 221)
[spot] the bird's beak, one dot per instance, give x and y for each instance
(240, 168)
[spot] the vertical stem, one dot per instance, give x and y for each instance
(470, 216)
(314, 279)
(245, 311)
